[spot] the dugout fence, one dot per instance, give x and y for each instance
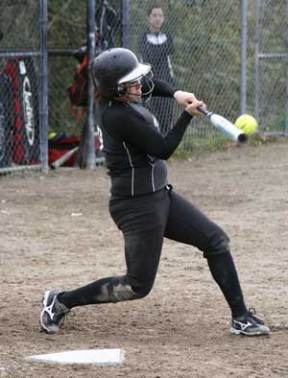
(233, 55)
(271, 65)
(23, 114)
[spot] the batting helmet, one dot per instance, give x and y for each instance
(114, 68)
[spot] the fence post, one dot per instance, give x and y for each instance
(286, 45)
(244, 36)
(256, 59)
(125, 23)
(43, 85)
(90, 158)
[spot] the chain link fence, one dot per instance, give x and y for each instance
(200, 44)
(68, 52)
(271, 65)
(19, 85)
(66, 33)
(204, 47)
(205, 56)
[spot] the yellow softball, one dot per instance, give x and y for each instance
(247, 124)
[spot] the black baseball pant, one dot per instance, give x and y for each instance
(145, 221)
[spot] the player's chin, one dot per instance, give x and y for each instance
(137, 96)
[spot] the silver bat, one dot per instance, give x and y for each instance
(224, 125)
(57, 163)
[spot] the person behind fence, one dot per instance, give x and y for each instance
(143, 203)
(107, 22)
(155, 47)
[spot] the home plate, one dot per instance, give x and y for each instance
(86, 356)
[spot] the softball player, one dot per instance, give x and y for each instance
(143, 204)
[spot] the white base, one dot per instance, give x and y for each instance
(86, 356)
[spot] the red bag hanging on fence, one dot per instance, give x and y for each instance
(78, 90)
(26, 146)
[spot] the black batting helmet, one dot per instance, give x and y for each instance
(114, 68)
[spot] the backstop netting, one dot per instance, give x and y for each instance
(271, 65)
(19, 85)
(205, 55)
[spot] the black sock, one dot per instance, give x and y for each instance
(224, 273)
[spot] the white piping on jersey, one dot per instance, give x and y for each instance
(156, 39)
(132, 168)
(152, 177)
(151, 162)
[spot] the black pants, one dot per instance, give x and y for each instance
(144, 222)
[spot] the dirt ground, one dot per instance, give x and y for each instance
(56, 232)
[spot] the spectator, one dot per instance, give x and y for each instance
(155, 47)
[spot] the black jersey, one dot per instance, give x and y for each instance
(155, 48)
(134, 148)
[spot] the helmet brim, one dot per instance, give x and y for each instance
(138, 72)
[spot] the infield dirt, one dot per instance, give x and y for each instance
(56, 232)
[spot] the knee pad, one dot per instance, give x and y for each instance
(124, 289)
(117, 289)
(218, 244)
(142, 288)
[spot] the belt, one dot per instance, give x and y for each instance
(169, 187)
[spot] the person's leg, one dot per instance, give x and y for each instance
(189, 225)
(142, 253)
(142, 221)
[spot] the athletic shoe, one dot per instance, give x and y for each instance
(249, 325)
(53, 312)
